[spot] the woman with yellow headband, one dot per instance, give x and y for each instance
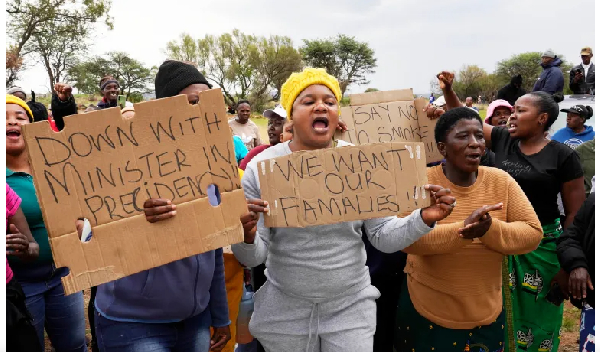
(61, 316)
(318, 295)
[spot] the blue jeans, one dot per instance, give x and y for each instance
(192, 334)
(62, 316)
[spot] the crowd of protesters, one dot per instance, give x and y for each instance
(487, 266)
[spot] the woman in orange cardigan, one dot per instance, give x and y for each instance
(453, 297)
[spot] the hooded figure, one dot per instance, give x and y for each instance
(551, 80)
(512, 91)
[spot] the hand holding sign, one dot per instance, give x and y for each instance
(250, 219)
(157, 209)
(442, 204)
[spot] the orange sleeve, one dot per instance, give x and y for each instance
(522, 232)
(442, 239)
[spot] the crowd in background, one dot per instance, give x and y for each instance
(509, 236)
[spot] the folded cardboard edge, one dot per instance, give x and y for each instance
(382, 97)
(75, 283)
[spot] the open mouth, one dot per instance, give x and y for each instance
(273, 135)
(512, 127)
(321, 125)
(13, 133)
(502, 123)
(474, 157)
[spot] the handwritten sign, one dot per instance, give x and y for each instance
(343, 184)
(389, 116)
(104, 167)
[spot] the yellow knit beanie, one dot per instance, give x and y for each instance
(11, 99)
(299, 81)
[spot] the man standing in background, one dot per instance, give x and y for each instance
(583, 76)
(469, 104)
(243, 127)
(551, 80)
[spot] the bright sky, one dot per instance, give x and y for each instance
(412, 39)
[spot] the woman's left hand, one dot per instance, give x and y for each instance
(479, 222)
(220, 338)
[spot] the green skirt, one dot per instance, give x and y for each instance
(534, 322)
(414, 333)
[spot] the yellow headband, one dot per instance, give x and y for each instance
(11, 99)
(299, 81)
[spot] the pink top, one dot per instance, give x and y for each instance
(12, 205)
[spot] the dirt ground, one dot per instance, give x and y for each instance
(568, 340)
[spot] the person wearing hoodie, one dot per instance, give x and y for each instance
(576, 132)
(551, 80)
(512, 91)
(318, 295)
(173, 306)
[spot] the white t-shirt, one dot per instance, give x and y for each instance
(585, 69)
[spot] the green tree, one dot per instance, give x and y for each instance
(347, 59)
(244, 66)
(31, 20)
(469, 81)
(14, 63)
(528, 66)
(369, 90)
(131, 74)
(58, 52)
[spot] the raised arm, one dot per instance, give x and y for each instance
(522, 232)
(63, 104)
(446, 79)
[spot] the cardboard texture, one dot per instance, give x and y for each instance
(104, 167)
(390, 116)
(344, 184)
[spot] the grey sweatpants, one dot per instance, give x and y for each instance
(285, 323)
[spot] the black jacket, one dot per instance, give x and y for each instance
(586, 86)
(510, 92)
(575, 247)
(61, 109)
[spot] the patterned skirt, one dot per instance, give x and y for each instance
(534, 322)
(414, 333)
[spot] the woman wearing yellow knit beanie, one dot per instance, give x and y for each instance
(318, 295)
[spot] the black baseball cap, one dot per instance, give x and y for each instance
(577, 109)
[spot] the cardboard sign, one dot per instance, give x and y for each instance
(390, 116)
(104, 167)
(343, 184)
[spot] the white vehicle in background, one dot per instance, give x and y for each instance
(570, 101)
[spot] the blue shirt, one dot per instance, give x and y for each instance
(569, 137)
(240, 149)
